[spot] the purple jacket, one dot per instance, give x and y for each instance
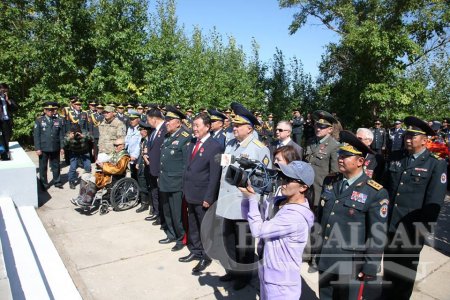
(285, 237)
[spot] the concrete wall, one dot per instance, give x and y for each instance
(18, 178)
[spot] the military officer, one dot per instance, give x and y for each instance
(394, 141)
(268, 129)
(259, 128)
(416, 182)
(120, 114)
(297, 126)
(48, 136)
(140, 111)
(142, 167)
(379, 138)
(353, 214)
(74, 115)
(173, 160)
(189, 119)
(321, 153)
(94, 120)
(217, 131)
(239, 246)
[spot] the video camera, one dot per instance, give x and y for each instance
(262, 179)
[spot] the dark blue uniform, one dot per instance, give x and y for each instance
(394, 142)
(417, 190)
(379, 140)
(297, 129)
(220, 138)
(350, 242)
(48, 136)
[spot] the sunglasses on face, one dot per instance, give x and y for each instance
(321, 127)
(117, 145)
(286, 180)
(281, 130)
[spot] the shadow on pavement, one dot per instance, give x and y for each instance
(213, 281)
(442, 235)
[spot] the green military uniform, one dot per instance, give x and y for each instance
(173, 159)
(322, 155)
(353, 215)
(417, 187)
(48, 136)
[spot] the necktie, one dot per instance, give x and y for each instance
(344, 186)
(197, 145)
(152, 136)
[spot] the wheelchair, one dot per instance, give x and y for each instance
(119, 195)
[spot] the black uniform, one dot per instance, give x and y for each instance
(297, 129)
(417, 190)
(379, 140)
(48, 136)
(353, 215)
(394, 142)
(172, 163)
(374, 166)
(349, 244)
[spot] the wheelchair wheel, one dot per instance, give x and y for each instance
(124, 194)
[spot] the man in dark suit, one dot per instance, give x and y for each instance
(200, 186)
(7, 106)
(379, 138)
(283, 133)
(156, 120)
(297, 125)
(217, 131)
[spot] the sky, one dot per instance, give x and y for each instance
(262, 20)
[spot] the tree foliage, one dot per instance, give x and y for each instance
(365, 74)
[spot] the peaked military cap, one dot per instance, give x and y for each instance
(243, 115)
(173, 113)
(270, 116)
(111, 104)
(324, 118)
(100, 105)
(144, 125)
(72, 99)
(132, 114)
(93, 102)
(120, 106)
(140, 106)
(351, 145)
(50, 105)
(216, 115)
(189, 110)
(416, 126)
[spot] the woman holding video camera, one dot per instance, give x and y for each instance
(284, 237)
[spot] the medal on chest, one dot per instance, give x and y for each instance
(358, 197)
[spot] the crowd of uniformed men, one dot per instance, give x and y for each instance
(376, 194)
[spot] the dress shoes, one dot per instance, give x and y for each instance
(151, 218)
(225, 278)
(165, 241)
(72, 185)
(312, 267)
(239, 285)
(142, 208)
(59, 185)
(177, 247)
(157, 222)
(188, 258)
(201, 266)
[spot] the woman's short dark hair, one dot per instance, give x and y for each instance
(288, 153)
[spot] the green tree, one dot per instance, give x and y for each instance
(363, 75)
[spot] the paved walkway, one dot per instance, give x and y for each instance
(117, 256)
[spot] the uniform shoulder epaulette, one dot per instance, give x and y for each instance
(185, 134)
(258, 143)
(374, 184)
(435, 155)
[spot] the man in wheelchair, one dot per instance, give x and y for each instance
(106, 174)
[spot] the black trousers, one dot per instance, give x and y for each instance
(6, 133)
(196, 213)
(172, 202)
(240, 247)
(142, 180)
(400, 268)
(44, 159)
(133, 171)
(341, 287)
(297, 137)
(154, 195)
